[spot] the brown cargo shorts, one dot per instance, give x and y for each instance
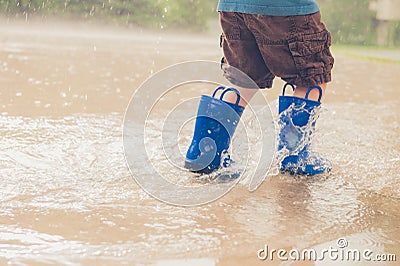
(294, 48)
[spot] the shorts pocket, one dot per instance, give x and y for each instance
(303, 45)
(311, 53)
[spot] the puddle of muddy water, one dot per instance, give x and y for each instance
(67, 196)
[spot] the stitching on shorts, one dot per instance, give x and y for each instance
(235, 35)
(293, 26)
(294, 29)
(264, 41)
(261, 38)
(230, 18)
(302, 45)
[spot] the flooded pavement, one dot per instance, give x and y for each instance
(67, 196)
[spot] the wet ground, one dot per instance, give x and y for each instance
(67, 196)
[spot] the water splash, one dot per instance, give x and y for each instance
(295, 140)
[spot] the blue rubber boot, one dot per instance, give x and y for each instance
(216, 122)
(297, 118)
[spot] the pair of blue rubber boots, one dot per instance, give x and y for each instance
(217, 120)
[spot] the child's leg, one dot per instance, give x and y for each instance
(241, 53)
(296, 48)
(314, 94)
(245, 96)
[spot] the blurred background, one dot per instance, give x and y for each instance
(358, 22)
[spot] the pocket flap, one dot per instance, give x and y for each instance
(303, 45)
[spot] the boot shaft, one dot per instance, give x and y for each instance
(296, 120)
(300, 108)
(215, 116)
(215, 125)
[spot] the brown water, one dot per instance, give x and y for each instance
(67, 196)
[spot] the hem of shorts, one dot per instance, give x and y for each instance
(310, 81)
(265, 84)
